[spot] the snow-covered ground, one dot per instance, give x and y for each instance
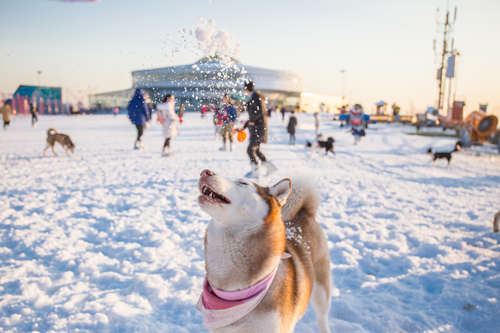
(110, 239)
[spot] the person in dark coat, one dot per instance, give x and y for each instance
(139, 115)
(6, 111)
(292, 124)
(34, 114)
(257, 128)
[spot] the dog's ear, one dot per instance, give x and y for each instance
(281, 190)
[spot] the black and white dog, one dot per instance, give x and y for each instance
(444, 155)
(321, 143)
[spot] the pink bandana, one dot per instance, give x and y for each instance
(222, 308)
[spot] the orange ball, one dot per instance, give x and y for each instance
(242, 135)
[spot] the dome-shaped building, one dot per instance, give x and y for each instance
(205, 81)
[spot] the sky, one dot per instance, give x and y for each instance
(384, 46)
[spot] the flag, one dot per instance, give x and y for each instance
(450, 68)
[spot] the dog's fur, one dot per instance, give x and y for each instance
(247, 238)
(444, 155)
(496, 222)
(321, 143)
(63, 139)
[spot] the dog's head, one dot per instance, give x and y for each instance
(458, 146)
(330, 139)
(241, 202)
(70, 145)
(429, 151)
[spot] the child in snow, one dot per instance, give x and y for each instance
(228, 114)
(356, 121)
(203, 110)
(169, 120)
(292, 124)
(316, 123)
(217, 120)
(344, 116)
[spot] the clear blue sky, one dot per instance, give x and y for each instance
(385, 46)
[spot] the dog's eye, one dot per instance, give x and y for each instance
(241, 182)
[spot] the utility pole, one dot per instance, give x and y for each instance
(448, 26)
(441, 69)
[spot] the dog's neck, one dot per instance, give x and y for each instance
(237, 258)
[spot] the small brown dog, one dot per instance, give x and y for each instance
(64, 140)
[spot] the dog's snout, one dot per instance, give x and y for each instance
(207, 172)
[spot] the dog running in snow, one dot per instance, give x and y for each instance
(265, 256)
(444, 155)
(321, 143)
(63, 139)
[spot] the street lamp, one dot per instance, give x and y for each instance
(39, 72)
(342, 82)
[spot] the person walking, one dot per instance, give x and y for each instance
(6, 111)
(203, 110)
(395, 111)
(292, 124)
(316, 123)
(343, 116)
(356, 121)
(34, 114)
(228, 114)
(139, 115)
(169, 121)
(257, 128)
(283, 111)
(182, 109)
(217, 120)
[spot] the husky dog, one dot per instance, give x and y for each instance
(321, 143)
(265, 256)
(444, 155)
(64, 140)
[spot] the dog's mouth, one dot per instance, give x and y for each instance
(210, 196)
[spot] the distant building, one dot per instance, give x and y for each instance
(109, 100)
(310, 102)
(204, 82)
(48, 99)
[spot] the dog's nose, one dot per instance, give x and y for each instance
(207, 172)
